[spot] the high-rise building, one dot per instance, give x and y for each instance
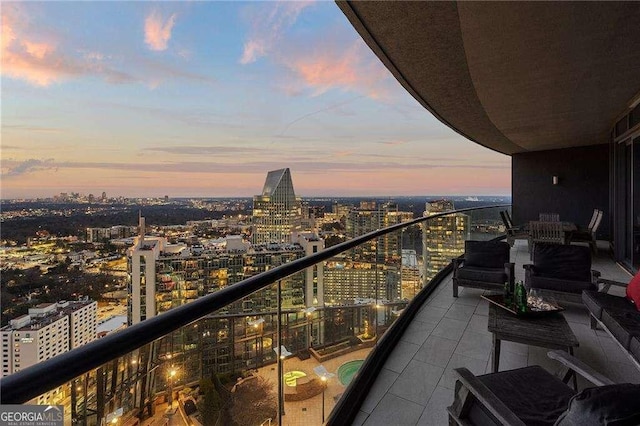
(411, 282)
(164, 276)
(380, 257)
(346, 281)
(142, 275)
(370, 217)
(49, 329)
(442, 237)
(276, 210)
(95, 235)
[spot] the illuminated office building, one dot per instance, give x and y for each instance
(165, 276)
(346, 281)
(380, 257)
(443, 237)
(276, 210)
(410, 279)
(369, 217)
(96, 235)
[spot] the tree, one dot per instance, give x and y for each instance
(253, 402)
(209, 404)
(332, 240)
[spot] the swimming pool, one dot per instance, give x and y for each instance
(347, 370)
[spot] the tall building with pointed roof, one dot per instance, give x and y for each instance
(276, 210)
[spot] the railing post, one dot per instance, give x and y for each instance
(377, 284)
(74, 400)
(100, 385)
(280, 355)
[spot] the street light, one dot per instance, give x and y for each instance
(256, 324)
(172, 374)
(324, 375)
(309, 313)
(282, 353)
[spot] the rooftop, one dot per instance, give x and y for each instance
(44, 314)
(416, 384)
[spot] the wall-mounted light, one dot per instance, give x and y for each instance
(555, 180)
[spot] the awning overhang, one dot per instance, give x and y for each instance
(511, 76)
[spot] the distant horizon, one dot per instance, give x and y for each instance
(251, 196)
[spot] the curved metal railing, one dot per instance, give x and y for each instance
(33, 381)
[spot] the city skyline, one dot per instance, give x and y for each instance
(202, 99)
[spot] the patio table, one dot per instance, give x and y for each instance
(551, 331)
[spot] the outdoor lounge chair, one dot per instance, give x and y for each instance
(545, 232)
(485, 265)
(532, 395)
(561, 272)
(588, 235)
(513, 232)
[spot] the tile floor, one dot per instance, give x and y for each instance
(416, 384)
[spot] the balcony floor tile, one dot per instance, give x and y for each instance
(417, 384)
(393, 410)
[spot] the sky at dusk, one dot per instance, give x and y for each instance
(204, 98)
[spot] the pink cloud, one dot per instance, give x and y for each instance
(157, 31)
(329, 67)
(253, 49)
(30, 55)
(335, 61)
(394, 142)
(36, 59)
(26, 59)
(268, 26)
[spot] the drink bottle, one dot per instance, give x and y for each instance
(508, 294)
(521, 298)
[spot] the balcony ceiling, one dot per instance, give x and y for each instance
(512, 76)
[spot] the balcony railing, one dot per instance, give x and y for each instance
(253, 352)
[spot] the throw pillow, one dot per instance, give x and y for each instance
(603, 405)
(633, 290)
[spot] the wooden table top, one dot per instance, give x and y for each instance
(549, 331)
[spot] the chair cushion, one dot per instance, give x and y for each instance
(633, 290)
(540, 404)
(604, 405)
(596, 301)
(623, 324)
(563, 285)
(486, 254)
(634, 347)
(581, 236)
(489, 275)
(562, 261)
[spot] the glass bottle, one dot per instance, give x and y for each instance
(521, 298)
(508, 294)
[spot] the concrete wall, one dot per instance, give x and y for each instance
(583, 185)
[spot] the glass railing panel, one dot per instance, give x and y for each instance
(226, 366)
(412, 257)
(218, 369)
